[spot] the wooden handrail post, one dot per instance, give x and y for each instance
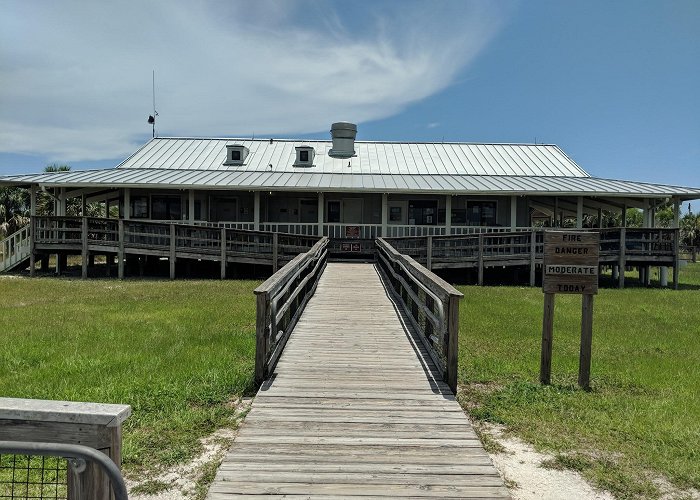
(261, 334)
(480, 279)
(84, 252)
(429, 253)
(32, 244)
(172, 251)
(120, 251)
(676, 250)
(452, 357)
(275, 264)
(223, 253)
(547, 329)
(533, 251)
(622, 258)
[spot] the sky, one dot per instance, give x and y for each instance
(614, 84)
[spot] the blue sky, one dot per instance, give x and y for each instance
(614, 84)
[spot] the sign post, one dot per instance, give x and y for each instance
(570, 266)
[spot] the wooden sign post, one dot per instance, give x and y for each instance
(570, 266)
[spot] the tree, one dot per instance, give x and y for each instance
(690, 228)
(14, 210)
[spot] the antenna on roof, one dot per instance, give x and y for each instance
(152, 118)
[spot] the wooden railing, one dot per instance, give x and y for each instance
(166, 239)
(15, 248)
(280, 301)
(431, 304)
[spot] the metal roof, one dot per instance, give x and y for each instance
(311, 181)
(457, 168)
(371, 157)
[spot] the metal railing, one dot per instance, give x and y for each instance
(281, 300)
(30, 483)
(431, 304)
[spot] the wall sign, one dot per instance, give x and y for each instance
(350, 246)
(352, 231)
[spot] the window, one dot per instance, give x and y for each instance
(166, 208)
(481, 213)
(333, 211)
(395, 214)
(139, 207)
(235, 154)
(304, 156)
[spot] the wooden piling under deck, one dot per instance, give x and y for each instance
(356, 408)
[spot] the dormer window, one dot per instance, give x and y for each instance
(235, 154)
(305, 156)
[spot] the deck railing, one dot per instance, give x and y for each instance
(431, 304)
(15, 248)
(281, 300)
(165, 239)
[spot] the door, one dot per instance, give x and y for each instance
(225, 209)
(308, 211)
(352, 210)
(422, 212)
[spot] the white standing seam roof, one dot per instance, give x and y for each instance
(379, 167)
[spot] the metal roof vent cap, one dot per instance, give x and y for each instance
(343, 134)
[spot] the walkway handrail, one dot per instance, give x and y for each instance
(281, 300)
(77, 454)
(15, 247)
(432, 305)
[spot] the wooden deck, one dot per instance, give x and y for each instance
(354, 408)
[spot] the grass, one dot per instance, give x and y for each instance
(177, 352)
(180, 352)
(642, 418)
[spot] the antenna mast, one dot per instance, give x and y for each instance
(152, 118)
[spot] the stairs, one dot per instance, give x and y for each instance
(15, 250)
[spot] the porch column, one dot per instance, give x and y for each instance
(256, 210)
(385, 214)
(62, 202)
(321, 216)
(676, 211)
(190, 206)
(513, 212)
(127, 203)
(556, 211)
(579, 212)
(600, 218)
(32, 200)
(448, 214)
(623, 221)
(645, 213)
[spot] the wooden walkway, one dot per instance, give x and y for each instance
(354, 409)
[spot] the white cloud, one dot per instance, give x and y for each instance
(75, 76)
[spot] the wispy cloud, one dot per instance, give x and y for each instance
(433, 125)
(75, 76)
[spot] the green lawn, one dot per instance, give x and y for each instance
(642, 418)
(175, 351)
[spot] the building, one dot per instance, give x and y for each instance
(348, 189)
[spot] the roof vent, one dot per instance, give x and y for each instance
(235, 154)
(305, 156)
(343, 134)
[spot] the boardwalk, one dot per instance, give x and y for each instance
(354, 410)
